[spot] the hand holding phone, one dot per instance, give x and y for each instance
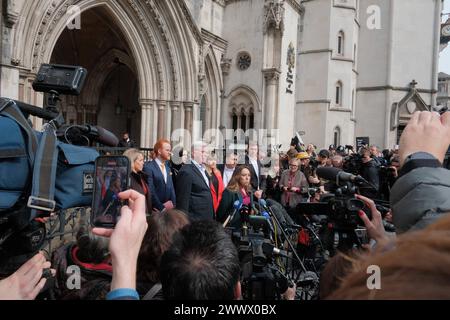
(112, 177)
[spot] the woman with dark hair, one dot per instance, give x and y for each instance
(178, 160)
(157, 240)
(273, 190)
(239, 188)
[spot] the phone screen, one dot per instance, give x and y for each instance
(112, 177)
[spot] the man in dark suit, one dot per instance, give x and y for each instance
(159, 179)
(193, 191)
(252, 160)
(126, 142)
(227, 169)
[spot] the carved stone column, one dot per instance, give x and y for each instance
(161, 123)
(175, 117)
(272, 77)
(146, 123)
(188, 123)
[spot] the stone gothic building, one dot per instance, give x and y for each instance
(334, 69)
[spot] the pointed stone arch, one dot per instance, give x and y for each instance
(163, 44)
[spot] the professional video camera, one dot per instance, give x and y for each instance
(45, 171)
(353, 163)
(342, 229)
(261, 237)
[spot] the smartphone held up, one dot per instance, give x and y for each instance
(112, 175)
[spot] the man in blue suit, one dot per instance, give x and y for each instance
(160, 177)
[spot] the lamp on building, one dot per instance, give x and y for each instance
(118, 108)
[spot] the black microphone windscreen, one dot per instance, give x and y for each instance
(107, 138)
(328, 173)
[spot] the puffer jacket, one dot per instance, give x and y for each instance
(419, 198)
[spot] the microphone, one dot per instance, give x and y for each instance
(262, 204)
(270, 251)
(284, 223)
(101, 135)
(75, 132)
(237, 206)
(335, 174)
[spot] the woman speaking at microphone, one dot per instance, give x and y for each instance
(238, 189)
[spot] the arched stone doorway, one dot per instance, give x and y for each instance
(110, 97)
(163, 42)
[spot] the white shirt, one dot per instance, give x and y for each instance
(254, 163)
(202, 170)
(227, 174)
(164, 173)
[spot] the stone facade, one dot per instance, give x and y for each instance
(335, 69)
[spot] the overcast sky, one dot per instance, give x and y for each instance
(444, 61)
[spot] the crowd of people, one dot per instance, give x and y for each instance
(170, 242)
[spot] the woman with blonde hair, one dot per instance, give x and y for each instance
(138, 177)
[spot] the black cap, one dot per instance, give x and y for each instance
(324, 153)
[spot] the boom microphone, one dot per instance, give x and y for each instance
(335, 174)
(93, 133)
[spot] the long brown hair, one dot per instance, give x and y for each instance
(157, 240)
(417, 268)
(234, 185)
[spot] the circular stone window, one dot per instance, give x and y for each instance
(244, 61)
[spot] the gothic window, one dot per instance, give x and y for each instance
(337, 136)
(353, 102)
(243, 120)
(244, 61)
(340, 46)
(338, 99)
(235, 120)
(252, 119)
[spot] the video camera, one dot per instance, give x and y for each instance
(262, 277)
(67, 180)
(353, 163)
(343, 228)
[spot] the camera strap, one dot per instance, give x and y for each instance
(44, 173)
(10, 110)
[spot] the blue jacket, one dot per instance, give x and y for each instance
(160, 190)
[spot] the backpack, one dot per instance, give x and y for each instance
(37, 168)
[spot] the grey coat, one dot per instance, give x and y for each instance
(299, 182)
(419, 198)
